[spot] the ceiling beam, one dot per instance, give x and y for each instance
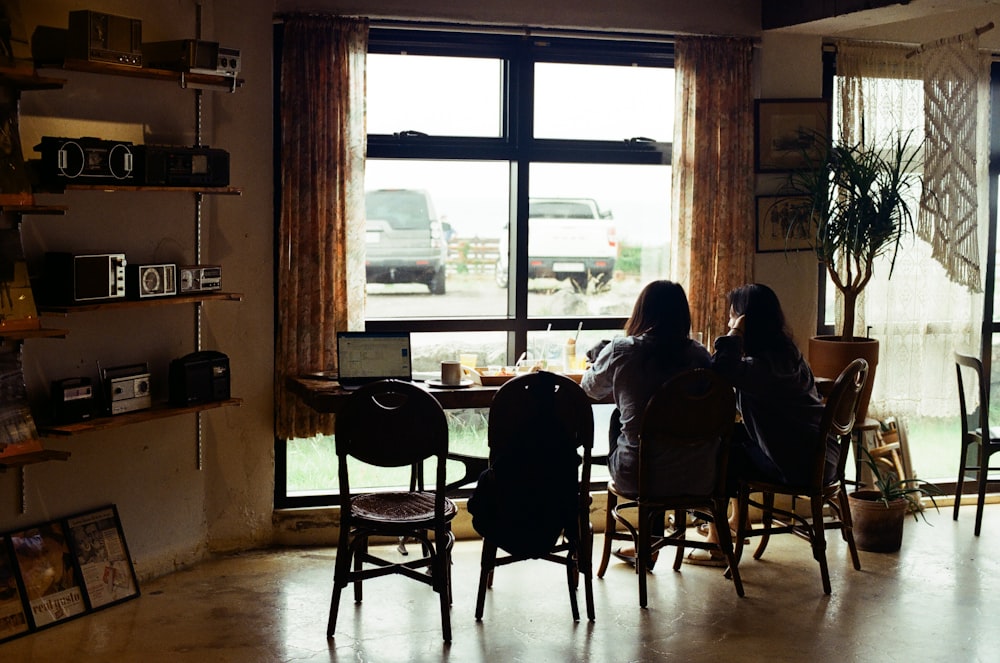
(785, 13)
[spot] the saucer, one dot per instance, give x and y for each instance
(437, 384)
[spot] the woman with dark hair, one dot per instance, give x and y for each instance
(776, 390)
(656, 346)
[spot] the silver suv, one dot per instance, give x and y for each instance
(404, 239)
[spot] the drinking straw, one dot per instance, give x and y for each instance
(578, 328)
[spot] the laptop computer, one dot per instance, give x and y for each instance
(364, 357)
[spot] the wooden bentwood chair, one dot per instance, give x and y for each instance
(975, 431)
(838, 420)
(393, 424)
(534, 500)
(683, 454)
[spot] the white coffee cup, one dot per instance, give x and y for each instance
(451, 372)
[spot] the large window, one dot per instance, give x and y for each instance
(517, 194)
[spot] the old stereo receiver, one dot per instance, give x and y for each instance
(174, 165)
(192, 55)
(126, 388)
(145, 281)
(101, 37)
(200, 278)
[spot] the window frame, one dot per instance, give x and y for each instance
(518, 52)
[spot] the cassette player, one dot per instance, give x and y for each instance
(174, 165)
(72, 400)
(200, 278)
(126, 388)
(192, 55)
(86, 160)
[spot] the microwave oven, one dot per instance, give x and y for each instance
(71, 278)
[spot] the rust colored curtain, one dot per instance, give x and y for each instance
(713, 236)
(321, 252)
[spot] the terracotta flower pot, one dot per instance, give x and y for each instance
(877, 527)
(829, 355)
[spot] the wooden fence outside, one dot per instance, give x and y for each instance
(473, 255)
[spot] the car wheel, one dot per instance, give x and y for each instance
(436, 283)
(602, 282)
(501, 275)
(579, 282)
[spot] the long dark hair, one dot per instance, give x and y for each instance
(764, 325)
(661, 311)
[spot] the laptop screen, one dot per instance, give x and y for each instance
(368, 356)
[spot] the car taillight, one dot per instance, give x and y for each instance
(612, 237)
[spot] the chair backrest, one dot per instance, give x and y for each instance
(391, 423)
(684, 436)
(973, 415)
(532, 490)
(839, 415)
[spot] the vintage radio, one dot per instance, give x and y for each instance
(144, 281)
(200, 377)
(72, 400)
(71, 278)
(191, 55)
(126, 388)
(85, 160)
(173, 165)
(100, 37)
(200, 278)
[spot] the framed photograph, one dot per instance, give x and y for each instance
(13, 613)
(789, 132)
(48, 574)
(98, 543)
(784, 223)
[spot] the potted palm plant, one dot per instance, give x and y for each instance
(878, 513)
(861, 207)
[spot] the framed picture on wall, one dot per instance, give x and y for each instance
(98, 543)
(784, 223)
(789, 132)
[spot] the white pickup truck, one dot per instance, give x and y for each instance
(568, 238)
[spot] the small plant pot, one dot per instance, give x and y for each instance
(877, 527)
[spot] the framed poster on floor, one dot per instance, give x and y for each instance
(98, 543)
(48, 574)
(13, 615)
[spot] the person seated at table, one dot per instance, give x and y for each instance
(776, 394)
(656, 346)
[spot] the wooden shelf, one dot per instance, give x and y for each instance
(25, 77)
(156, 412)
(33, 209)
(181, 78)
(34, 333)
(142, 303)
(111, 188)
(32, 458)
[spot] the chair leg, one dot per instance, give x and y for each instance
(961, 479)
(486, 565)
(847, 527)
(984, 461)
(587, 567)
(719, 516)
(642, 553)
(819, 541)
(342, 569)
(572, 571)
(610, 526)
(768, 521)
(360, 546)
(442, 581)
(742, 518)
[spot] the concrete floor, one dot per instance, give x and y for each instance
(934, 601)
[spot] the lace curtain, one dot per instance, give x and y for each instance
(713, 236)
(321, 273)
(919, 315)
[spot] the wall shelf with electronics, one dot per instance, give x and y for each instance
(184, 79)
(220, 190)
(156, 412)
(140, 303)
(26, 78)
(20, 335)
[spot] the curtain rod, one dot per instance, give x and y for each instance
(920, 49)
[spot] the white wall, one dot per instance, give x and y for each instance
(172, 512)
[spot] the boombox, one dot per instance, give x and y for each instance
(71, 278)
(192, 55)
(144, 281)
(126, 388)
(200, 278)
(100, 37)
(85, 160)
(72, 400)
(200, 377)
(172, 165)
